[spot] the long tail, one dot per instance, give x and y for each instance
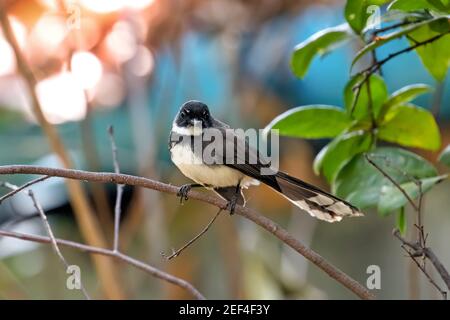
(311, 199)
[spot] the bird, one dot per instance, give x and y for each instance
(229, 170)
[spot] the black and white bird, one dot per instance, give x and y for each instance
(228, 174)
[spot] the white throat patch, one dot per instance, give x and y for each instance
(194, 130)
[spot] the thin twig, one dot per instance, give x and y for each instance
(15, 189)
(55, 246)
(392, 26)
(110, 253)
(374, 67)
(427, 252)
(119, 187)
(109, 278)
(104, 177)
(425, 272)
(190, 242)
(387, 176)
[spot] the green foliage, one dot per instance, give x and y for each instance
(313, 122)
(402, 96)
(340, 151)
(356, 12)
(361, 183)
(378, 42)
(370, 114)
(319, 43)
(401, 221)
(418, 5)
(410, 126)
(444, 157)
(392, 198)
(435, 56)
(378, 95)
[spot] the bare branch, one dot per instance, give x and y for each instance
(247, 213)
(110, 253)
(117, 209)
(190, 242)
(86, 219)
(52, 237)
(425, 272)
(418, 250)
(16, 189)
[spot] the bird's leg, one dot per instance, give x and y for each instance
(231, 205)
(184, 190)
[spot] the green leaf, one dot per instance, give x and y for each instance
(360, 183)
(340, 151)
(378, 91)
(311, 122)
(402, 96)
(417, 5)
(357, 13)
(401, 221)
(392, 198)
(319, 43)
(410, 126)
(444, 157)
(435, 55)
(394, 35)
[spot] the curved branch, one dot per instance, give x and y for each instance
(110, 253)
(250, 214)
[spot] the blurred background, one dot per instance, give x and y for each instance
(131, 64)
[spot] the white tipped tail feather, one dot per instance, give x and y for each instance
(316, 202)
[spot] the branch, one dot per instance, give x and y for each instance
(52, 237)
(395, 183)
(247, 213)
(376, 65)
(117, 209)
(83, 212)
(15, 189)
(418, 250)
(110, 253)
(190, 242)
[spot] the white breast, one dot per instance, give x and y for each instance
(215, 175)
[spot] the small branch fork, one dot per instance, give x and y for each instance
(270, 226)
(14, 190)
(190, 242)
(377, 64)
(416, 249)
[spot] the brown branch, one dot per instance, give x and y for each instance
(52, 237)
(110, 253)
(83, 212)
(16, 189)
(190, 242)
(418, 250)
(245, 212)
(425, 272)
(117, 209)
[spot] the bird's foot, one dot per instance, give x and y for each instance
(183, 192)
(231, 205)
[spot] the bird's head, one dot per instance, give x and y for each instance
(193, 114)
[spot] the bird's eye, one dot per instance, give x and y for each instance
(205, 113)
(183, 114)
